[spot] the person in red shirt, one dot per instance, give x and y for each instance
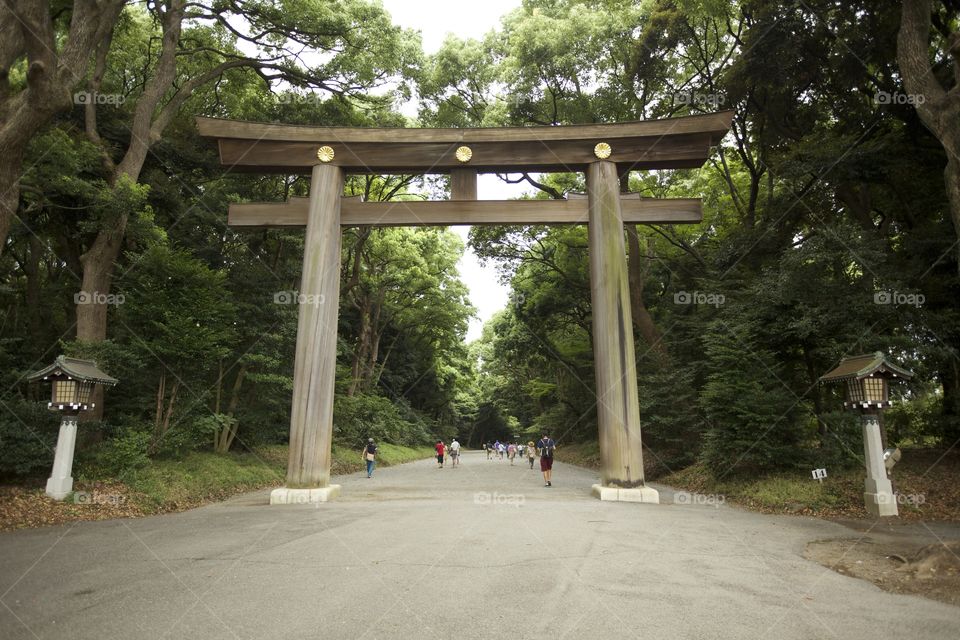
(440, 449)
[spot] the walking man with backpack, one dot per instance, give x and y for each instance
(370, 456)
(546, 447)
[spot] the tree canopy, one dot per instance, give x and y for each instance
(830, 223)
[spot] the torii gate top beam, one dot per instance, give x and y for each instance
(674, 143)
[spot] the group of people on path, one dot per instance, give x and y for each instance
(452, 451)
(544, 447)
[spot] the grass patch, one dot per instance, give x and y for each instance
(582, 454)
(927, 481)
(172, 485)
(201, 477)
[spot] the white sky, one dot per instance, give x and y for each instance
(466, 19)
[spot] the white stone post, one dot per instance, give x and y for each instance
(878, 495)
(60, 483)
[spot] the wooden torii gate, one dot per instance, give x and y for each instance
(603, 151)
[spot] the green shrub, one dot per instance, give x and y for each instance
(361, 416)
(28, 435)
(123, 453)
(752, 424)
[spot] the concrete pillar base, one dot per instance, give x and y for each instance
(59, 488)
(648, 495)
(285, 495)
(880, 504)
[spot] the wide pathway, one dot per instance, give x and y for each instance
(483, 551)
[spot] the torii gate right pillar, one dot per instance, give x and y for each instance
(618, 409)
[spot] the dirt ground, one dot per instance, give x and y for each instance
(919, 559)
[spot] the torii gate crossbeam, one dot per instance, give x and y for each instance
(603, 151)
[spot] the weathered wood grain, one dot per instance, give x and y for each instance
(618, 410)
(716, 124)
(668, 151)
(311, 416)
(471, 212)
(463, 184)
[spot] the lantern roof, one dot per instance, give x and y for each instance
(865, 366)
(75, 368)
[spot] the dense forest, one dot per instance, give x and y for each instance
(831, 225)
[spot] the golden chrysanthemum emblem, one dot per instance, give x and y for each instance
(325, 153)
(464, 154)
(602, 150)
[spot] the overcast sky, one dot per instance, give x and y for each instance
(466, 19)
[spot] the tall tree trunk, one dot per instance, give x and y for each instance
(169, 412)
(938, 108)
(54, 70)
(31, 270)
(637, 268)
(229, 432)
(10, 167)
(376, 331)
(360, 350)
(950, 379)
(161, 394)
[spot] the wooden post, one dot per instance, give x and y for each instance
(463, 184)
(618, 410)
(311, 417)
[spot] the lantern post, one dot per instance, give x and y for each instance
(867, 381)
(72, 383)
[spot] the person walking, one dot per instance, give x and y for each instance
(531, 452)
(454, 453)
(489, 448)
(440, 449)
(546, 447)
(370, 456)
(511, 452)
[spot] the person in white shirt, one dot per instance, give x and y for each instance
(454, 453)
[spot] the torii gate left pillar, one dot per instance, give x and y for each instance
(315, 362)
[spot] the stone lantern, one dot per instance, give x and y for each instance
(72, 382)
(867, 379)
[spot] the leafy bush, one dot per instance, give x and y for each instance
(359, 417)
(188, 435)
(28, 435)
(842, 445)
(122, 453)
